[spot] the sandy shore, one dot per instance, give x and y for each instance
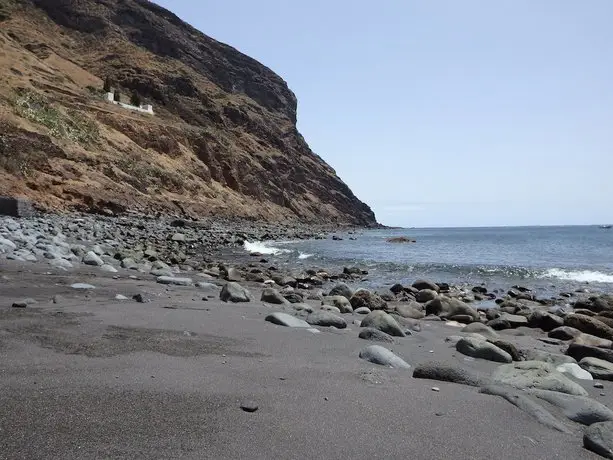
(93, 377)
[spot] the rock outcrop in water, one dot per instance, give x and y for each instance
(223, 140)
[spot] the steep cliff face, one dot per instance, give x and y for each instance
(223, 139)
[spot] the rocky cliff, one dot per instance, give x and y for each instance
(223, 140)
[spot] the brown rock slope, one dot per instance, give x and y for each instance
(223, 139)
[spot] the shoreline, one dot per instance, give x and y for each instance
(149, 321)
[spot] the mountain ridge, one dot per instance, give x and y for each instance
(223, 140)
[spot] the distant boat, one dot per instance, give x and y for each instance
(606, 226)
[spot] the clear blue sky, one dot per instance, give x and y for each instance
(444, 112)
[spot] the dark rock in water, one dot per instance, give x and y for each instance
(375, 335)
(589, 325)
(479, 290)
(397, 288)
(598, 438)
(426, 284)
(580, 409)
(341, 289)
(270, 295)
(578, 352)
(564, 333)
(434, 370)
(354, 271)
(447, 307)
(401, 239)
(478, 348)
(234, 292)
(326, 319)
(527, 404)
(364, 298)
(380, 355)
(599, 368)
(383, 322)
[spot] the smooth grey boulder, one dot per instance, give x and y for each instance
(530, 406)
(270, 295)
(547, 357)
(592, 341)
(448, 307)
(426, 284)
(507, 346)
(564, 333)
(411, 310)
(589, 325)
(426, 295)
(234, 292)
(82, 286)
(341, 289)
(434, 370)
(365, 298)
(580, 409)
(544, 320)
(514, 320)
(479, 348)
(535, 374)
(578, 352)
(174, 281)
(108, 268)
(362, 311)
(598, 438)
(91, 258)
(383, 322)
(575, 371)
(482, 329)
(326, 319)
(599, 368)
(283, 319)
(375, 335)
(380, 355)
(340, 302)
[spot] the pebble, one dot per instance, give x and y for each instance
(120, 297)
(598, 385)
(436, 389)
(249, 406)
(82, 286)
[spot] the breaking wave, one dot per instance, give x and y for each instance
(304, 255)
(582, 276)
(263, 248)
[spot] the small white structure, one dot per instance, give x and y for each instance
(144, 108)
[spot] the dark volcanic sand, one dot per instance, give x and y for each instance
(93, 377)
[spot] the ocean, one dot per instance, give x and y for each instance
(549, 260)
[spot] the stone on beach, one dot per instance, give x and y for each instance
(598, 438)
(425, 295)
(340, 302)
(326, 319)
(535, 374)
(410, 310)
(375, 335)
(341, 289)
(426, 284)
(578, 352)
(91, 258)
(234, 292)
(283, 319)
(575, 370)
(272, 296)
(480, 348)
(383, 322)
(580, 409)
(82, 286)
(434, 370)
(174, 281)
(589, 325)
(481, 329)
(448, 307)
(380, 355)
(564, 333)
(365, 298)
(598, 368)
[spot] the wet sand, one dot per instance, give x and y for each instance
(94, 377)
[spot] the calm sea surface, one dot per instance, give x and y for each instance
(545, 258)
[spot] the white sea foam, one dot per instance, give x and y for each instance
(581, 276)
(304, 255)
(263, 248)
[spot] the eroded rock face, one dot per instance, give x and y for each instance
(230, 147)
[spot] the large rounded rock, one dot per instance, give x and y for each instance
(91, 258)
(365, 298)
(514, 320)
(340, 302)
(589, 325)
(341, 289)
(564, 333)
(380, 355)
(510, 348)
(426, 295)
(448, 307)
(283, 319)
(598, 438)
(383, 322)
(578, 352)
(270, 295)
(234, 292)
(482, 329)
(479, 348)
(547, 357)
(443, 372)
(580, 409)
(426, 284)
(536, 374)
(598, 368)
(411, 310)
(375, 335)
(326, 319)
(592, 341)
